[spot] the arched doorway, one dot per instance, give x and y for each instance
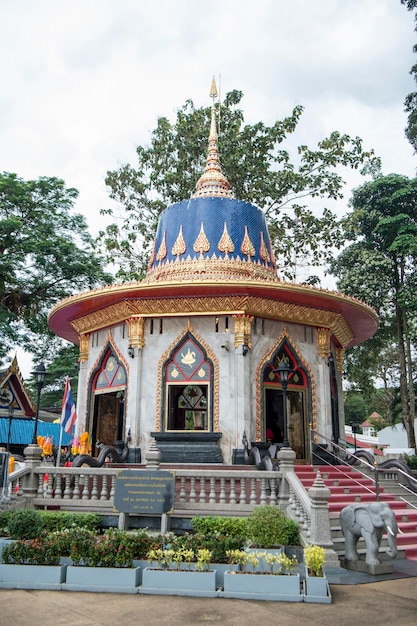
(188, 388)
(108, 400)
(296, 402)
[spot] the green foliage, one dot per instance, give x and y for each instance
(46, 254)
(39, 551)
(355, 407)
(380, 268)
(410, 103)
(25, 524)
(259, 168)
(268, 527)
(4, 522)
(231, 526)
(60, 520)
(314, 559)
(411, 461)
(217, 543)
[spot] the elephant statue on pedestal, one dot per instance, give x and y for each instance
(369, 521)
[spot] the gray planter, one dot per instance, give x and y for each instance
(179, 582)
(316, 589)
(32, 576)
(258, 586)
(102, 579)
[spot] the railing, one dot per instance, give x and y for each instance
(347, 458)
(13, 494)
(197, 490)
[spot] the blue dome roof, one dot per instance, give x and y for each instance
(212, 237)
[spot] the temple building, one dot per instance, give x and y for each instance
(189, 355)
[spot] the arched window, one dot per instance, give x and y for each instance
(188, 388)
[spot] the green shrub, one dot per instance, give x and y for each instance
(410, 460)
(4, 522)
(143, 542)
(230, 526)
(25, 524)
(267, 526)
(39, 551)
(59, 520)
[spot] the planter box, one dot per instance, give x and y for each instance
(179, 583)
(316, 589)
(32, 576)
(102, 579)
(259, 586)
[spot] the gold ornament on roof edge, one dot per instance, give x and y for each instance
(179, 246)
(201, 244)
(247, 246)
(162, 252)
(263, 252)
(226, 244)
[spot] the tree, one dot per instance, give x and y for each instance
(380, 267)
(46, 254)
(410, 103)
(259, 170)
(355, 407)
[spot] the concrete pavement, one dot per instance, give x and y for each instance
(388, 602)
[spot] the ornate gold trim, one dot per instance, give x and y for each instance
(340, 355)
(212, 305)
(188, 328)
(109, 341)
(179, 246)
(263, 252)
(136, 327)
(243, 328)
(162, 252)
(212, 268)
(226, 244)
(201, 244)
(84, 347)
(259, 383)
(323, 342)
(247, 246)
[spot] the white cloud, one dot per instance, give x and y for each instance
(83, 82)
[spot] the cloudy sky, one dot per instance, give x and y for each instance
(84, 81)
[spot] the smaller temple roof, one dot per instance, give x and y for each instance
(15, 392)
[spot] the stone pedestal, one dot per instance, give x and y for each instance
(362, 566)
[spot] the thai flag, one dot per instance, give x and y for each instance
(69, 414)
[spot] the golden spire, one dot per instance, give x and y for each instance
(213, 182)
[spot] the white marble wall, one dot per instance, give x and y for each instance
(237, 375)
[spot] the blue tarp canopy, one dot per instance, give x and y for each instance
(22, 431)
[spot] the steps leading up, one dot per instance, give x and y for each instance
(348, 486)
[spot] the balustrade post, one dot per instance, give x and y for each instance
(286, 458)
(30, 482)
(320, 533)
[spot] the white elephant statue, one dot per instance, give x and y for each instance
(369, 521)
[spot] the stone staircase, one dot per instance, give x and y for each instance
(347, 486)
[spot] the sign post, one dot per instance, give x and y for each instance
(144, 492)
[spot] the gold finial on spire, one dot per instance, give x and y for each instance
(213, 182)
(213, 90)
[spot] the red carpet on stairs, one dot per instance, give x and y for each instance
(348, 486)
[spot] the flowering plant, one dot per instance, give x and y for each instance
(203, 559)
(314, 559)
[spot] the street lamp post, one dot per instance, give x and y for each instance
(284, 372)
(39, 372)
(355, 425)
(11, 411)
